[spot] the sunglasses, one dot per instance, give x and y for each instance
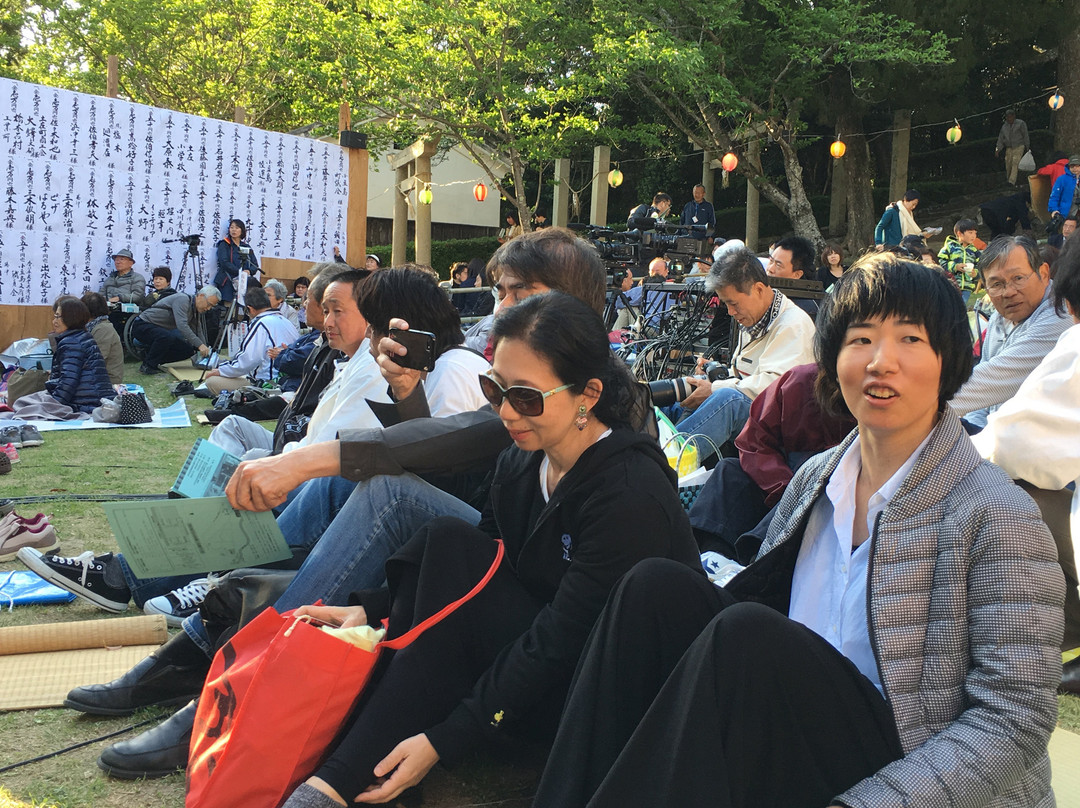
(526, 401)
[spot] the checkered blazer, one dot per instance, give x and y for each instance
(965, 618)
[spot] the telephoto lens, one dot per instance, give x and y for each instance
(668, 391)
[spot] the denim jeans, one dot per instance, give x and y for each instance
(348, 552)
(720, 418)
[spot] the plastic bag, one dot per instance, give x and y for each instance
(1027, 162)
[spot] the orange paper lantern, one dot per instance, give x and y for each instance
(729, 161)
(1055, 101)
(837, 149)
(479, 192)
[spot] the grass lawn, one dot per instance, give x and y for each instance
(134, 461)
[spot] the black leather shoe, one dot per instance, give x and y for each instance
(1070, 677)
(171, 676)
(158, 752)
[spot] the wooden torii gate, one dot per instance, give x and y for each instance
(412, 174)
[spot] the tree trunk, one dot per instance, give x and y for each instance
(858, 170)
(1067, 119)
(798, 211)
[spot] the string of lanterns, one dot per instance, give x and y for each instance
(730, 161)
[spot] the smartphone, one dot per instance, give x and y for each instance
(420, 346)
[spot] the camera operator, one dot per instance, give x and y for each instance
(647, 298)
(774, 336)
(234, 255)
(699, 212)
(660, 208)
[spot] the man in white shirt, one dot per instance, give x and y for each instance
(266, 329)
(774, 336)
(342, 404)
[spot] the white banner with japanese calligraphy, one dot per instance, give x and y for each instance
(82, 177)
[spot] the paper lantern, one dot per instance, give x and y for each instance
(1055, 101)
(729, 161)
(424, 197)
(837, 149)
(614, 178)
(954, 134)
(479, 192)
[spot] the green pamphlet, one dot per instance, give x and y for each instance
(179, 536)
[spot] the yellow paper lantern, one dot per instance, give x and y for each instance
(954, 134)
(837, 149)
(614, 178)
(1055, 101)
(729, 161)
(424, 197)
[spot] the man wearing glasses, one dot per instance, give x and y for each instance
(1022, 330)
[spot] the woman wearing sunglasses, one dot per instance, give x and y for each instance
(578, 499)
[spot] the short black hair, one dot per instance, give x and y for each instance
(802, 252)
(887, 285)
(661, 197)
(74, 313)
(414, 296)
(257, 298)
(1067, 277)
(239, 223)
(353, 277)
(96, 303)
(162, 272)
(963, 225)
(738, 267)
(301, 281)
(910, 194)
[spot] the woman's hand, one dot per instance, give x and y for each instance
(402, 380)
(406, 766)
(339, 616)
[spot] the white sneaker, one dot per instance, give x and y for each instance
(180, 603)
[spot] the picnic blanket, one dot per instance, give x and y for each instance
(175, 415)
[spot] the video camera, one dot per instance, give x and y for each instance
(193, 241)
(647, 239)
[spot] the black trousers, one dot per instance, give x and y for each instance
(686, 697)
(162, 346)
(422, 683)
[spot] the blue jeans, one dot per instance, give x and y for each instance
(720, 418)
(376, 518)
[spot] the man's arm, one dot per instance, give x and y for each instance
(426, 445)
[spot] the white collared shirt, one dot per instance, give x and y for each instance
(828, 590)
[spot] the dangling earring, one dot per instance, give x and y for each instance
(582, 419)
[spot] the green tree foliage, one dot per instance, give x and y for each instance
(727, 73)
(283, 60)
(511, 82)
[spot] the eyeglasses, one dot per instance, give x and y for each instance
(527, 401)
(1016, 283)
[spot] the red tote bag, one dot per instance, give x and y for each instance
(276, 696)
